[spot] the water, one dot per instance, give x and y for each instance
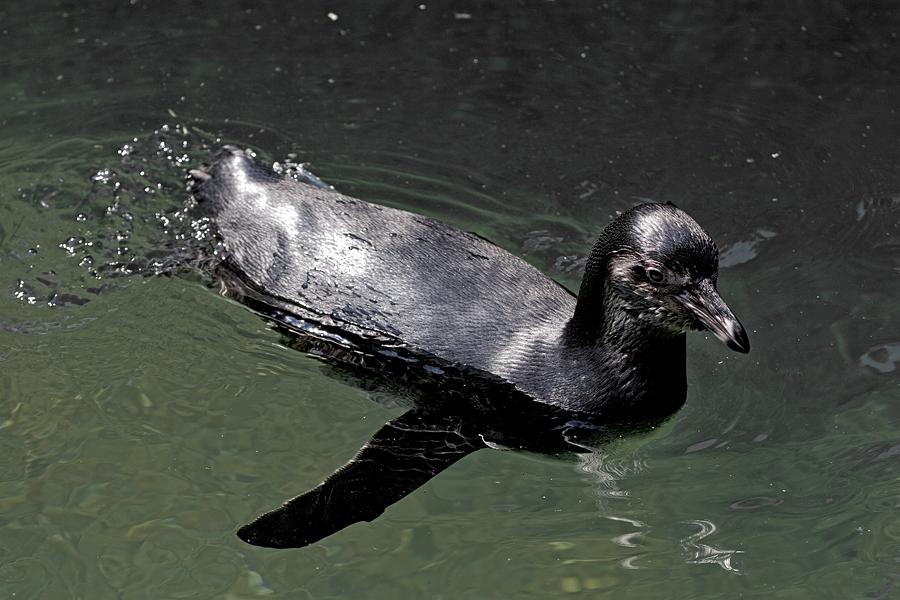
(139, 429)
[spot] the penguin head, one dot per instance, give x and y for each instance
(659, 270)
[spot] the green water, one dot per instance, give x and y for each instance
(140, 429)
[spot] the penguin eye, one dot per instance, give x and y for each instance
(655, 276)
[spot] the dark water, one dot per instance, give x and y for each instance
(141, 427)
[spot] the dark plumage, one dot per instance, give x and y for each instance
(385, 282)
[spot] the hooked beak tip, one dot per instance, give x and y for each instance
(738, 341)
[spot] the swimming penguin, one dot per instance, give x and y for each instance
(500, 352)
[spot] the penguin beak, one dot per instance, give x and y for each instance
(707, 307)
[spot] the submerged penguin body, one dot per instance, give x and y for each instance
(501, 354)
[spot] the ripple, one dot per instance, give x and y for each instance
(754, 503)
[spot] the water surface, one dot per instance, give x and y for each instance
(142, 427)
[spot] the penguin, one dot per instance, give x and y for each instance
(499, 352)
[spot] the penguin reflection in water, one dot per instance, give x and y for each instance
(499, 354)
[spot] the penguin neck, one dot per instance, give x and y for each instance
(643, 367)
(598, 317)
(601, 319)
